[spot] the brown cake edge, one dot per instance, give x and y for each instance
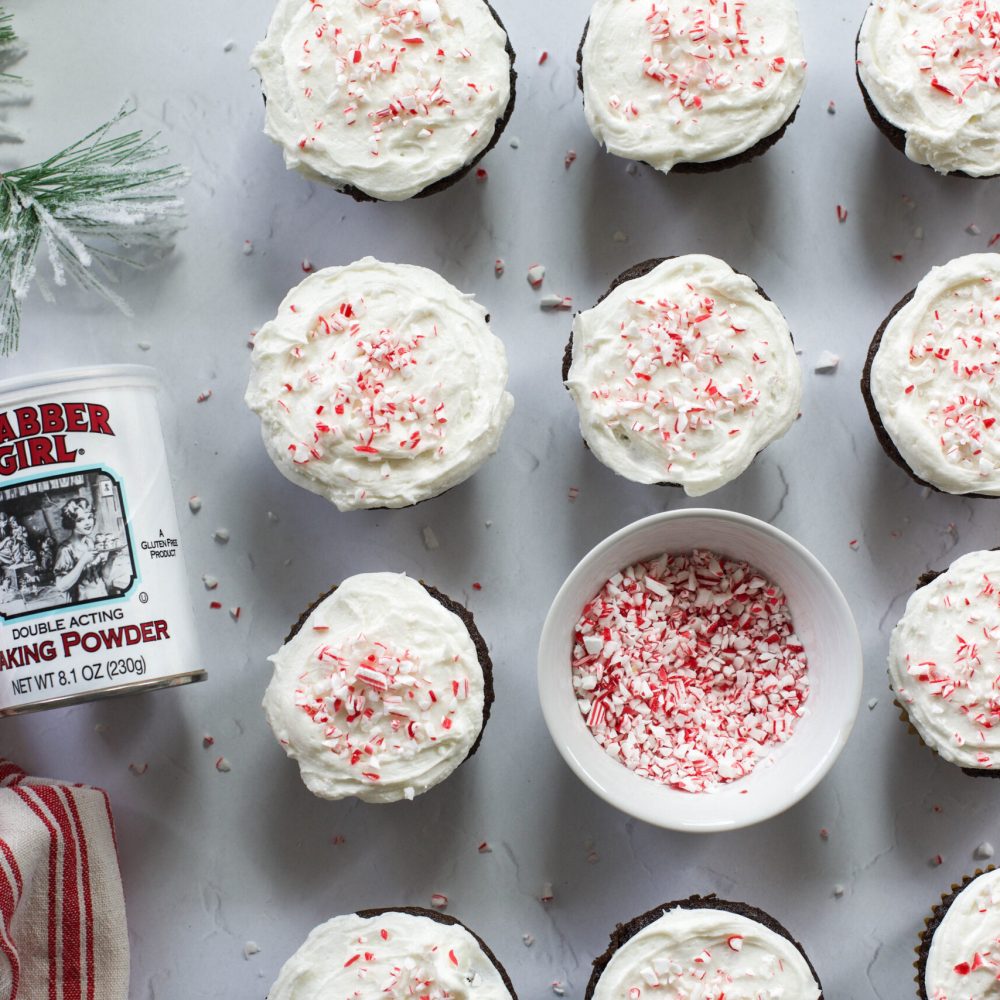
(624, 932)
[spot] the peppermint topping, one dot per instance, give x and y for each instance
(367, 408)
(706, 954)
(375, 704)
(684, 370)
(687, 669)
(698, 52)
(943, 660)
(395, 955)
(957, 48)
(954, 354)
(390, 66)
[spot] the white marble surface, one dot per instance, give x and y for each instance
(212, 861)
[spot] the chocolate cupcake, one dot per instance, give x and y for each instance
(705, 945)
(379, 385)
(693, 87)
(394, 953)
(928, 77)
(381, 690)
(930, 377)
(944, 662)
(386, 101)
(682, 373)
(957, 956)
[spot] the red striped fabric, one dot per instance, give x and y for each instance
(62, 913)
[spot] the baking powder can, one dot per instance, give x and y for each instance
(94, 599)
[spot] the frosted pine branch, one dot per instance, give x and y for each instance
(92, 206)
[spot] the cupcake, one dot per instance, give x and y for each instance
(386, 101)
(393, 953)
(682, 373)
(691, 86)
(381, 690)
(944, 662)
(706, 947)
(957, 957)
(927, 72)
(930, 378)
(379, 385)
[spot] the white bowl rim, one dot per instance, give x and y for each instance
(667, 818)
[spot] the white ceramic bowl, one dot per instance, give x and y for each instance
(822, 620)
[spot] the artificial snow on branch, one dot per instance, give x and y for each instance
(98, 203)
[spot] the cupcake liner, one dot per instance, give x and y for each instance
(443, 918)
(467, 619)
(624, 932)
(893, 133)
(931, 924)
(709, 166)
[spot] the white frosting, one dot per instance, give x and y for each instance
(683, 375)
(379, 385)
(934, 377)
(396, 956)
(963, 962)
(944, 661)
(380, 694)
(383, 95)
(690, 81)
(932, 69)
(704, 954)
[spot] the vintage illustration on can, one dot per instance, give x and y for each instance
(63, 543)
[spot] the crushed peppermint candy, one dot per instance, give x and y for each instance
(954, 358)
(984, 851)
(439, 901)
(223, 766)
(536, 275)
(688, 670)
(430, 538)
(701, 54)
(194, 504)
(827, 363)
(369, 409)
(221, 535)
(499, 266)
(375, 704)
(550, 303)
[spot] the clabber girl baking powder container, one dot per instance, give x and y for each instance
(93, 592)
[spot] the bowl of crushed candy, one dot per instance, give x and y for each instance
(730, 719)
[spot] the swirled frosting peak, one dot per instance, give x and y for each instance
(932, 69)
(683, 374)
(380, 694)
(690, 81)
(944, 661)
(394, 956)
(386, 96)
(934, 377)
(707, 953)
(379, 385)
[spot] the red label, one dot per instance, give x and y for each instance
(35, 436)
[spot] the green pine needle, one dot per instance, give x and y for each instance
(92, 206)
(10, 48)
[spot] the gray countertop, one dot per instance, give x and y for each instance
(212, 861)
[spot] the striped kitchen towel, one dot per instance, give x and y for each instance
(62, 913)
